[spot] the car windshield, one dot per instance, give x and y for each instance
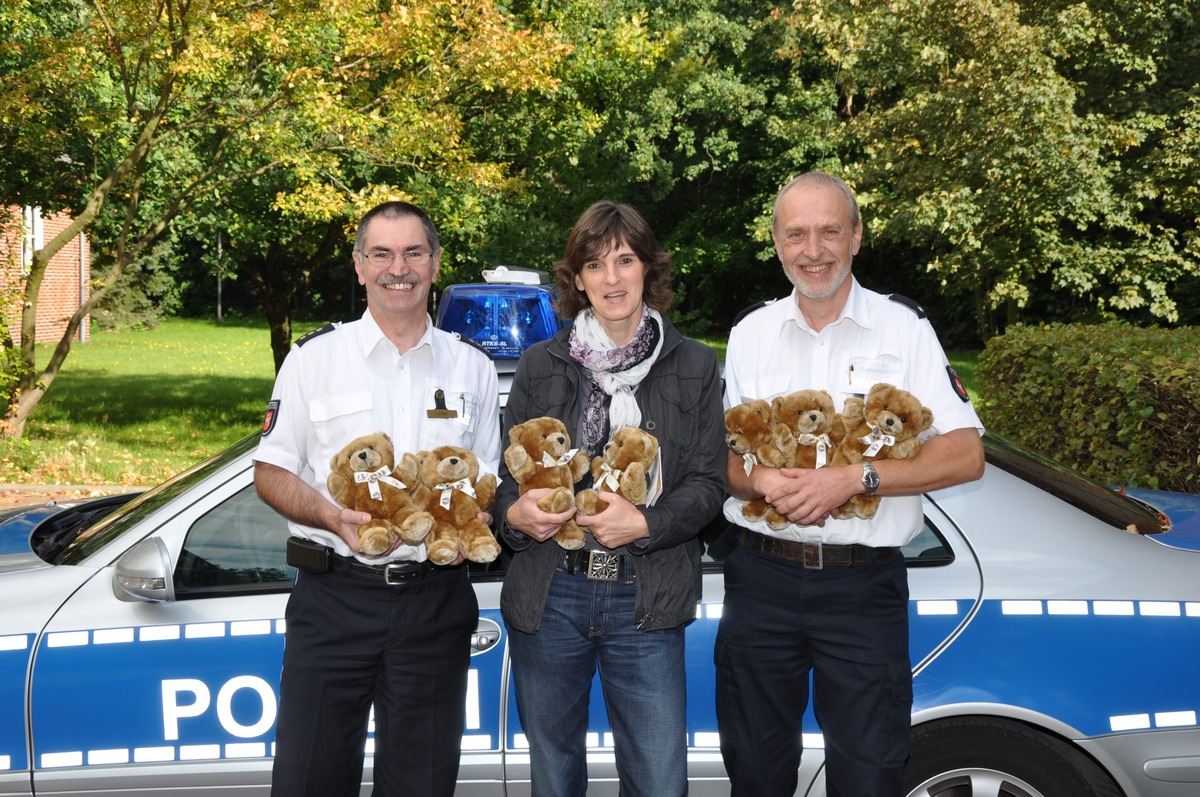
(80, 542)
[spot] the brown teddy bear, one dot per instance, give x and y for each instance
(801, 423)
(452, 490)
(540, 455)
(891, 421)
(623, 468)
(749, 432)
(364, 477)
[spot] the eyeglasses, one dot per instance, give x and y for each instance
(382, 258)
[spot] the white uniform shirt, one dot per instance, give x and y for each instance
(353, 381)
(773, 352)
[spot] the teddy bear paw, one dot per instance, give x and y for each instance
(416, 527)
(374, 538)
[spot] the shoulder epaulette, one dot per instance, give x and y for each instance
(751, 309)
(473, 343)
(307, 336)
(909, 303)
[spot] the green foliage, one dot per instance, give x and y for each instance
(1118, 403)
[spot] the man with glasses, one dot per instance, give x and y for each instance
(391, 631)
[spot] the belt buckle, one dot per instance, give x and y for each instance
(805, 547)
(397, 573)
(602, 566)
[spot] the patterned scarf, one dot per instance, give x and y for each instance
(615, 371)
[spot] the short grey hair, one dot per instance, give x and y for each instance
(397, 210)
(823, 180)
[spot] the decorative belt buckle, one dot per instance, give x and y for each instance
(603, 566)
(400, 573)
(805, 547)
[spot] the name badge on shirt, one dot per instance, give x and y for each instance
(439, 409)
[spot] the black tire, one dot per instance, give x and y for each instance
(967, 757)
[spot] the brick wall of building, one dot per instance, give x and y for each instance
(66, 284)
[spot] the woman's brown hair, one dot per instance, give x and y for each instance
(602, 226)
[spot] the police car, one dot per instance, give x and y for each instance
(1055, 641)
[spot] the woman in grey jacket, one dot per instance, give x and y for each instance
(621, 363)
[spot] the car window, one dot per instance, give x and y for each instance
(927, 549)
(238, 546)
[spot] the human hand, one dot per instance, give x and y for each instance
(619, 524)
(525, 516)
(346, 526)
(808, 497)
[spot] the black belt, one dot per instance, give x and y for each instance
(815, 555)
(596, 565)
(391, 573)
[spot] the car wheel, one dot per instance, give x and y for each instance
(982, 756)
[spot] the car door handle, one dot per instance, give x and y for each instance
(486, 635)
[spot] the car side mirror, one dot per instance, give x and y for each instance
(143, 573)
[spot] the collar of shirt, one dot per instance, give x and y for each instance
(370, 336)
(856, 310)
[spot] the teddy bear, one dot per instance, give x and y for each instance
(452, 491)
(623, 468)
(889, 427)
(750, 434)
(365, 477)
(801, 423)
(540, 455)
(792, 431)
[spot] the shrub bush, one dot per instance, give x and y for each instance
(1118, 403)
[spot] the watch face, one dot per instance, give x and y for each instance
(870, 478)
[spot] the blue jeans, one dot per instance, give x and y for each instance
(590, 623)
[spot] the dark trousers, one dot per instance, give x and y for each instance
(848, 626)
(352, 642)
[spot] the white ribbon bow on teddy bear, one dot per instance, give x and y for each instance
(610, 479)
(548, 460)
(448, 488)
(875, 441)
(822, 442)
(375, 477)
(749, 460)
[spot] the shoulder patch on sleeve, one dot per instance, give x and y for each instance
(751, 309)
(307, 336)
(271, 416)
(911, 304)
(956, 384)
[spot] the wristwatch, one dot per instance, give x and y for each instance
(870, 479)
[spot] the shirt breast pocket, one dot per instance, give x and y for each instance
(454, 425)
(340, 418)
(866, 372)
(767, 387)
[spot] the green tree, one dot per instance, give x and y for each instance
(141, 111)
(978, 147)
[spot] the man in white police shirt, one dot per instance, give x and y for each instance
(824, 595)
(395, 630)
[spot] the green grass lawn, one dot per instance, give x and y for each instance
(137, 407)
